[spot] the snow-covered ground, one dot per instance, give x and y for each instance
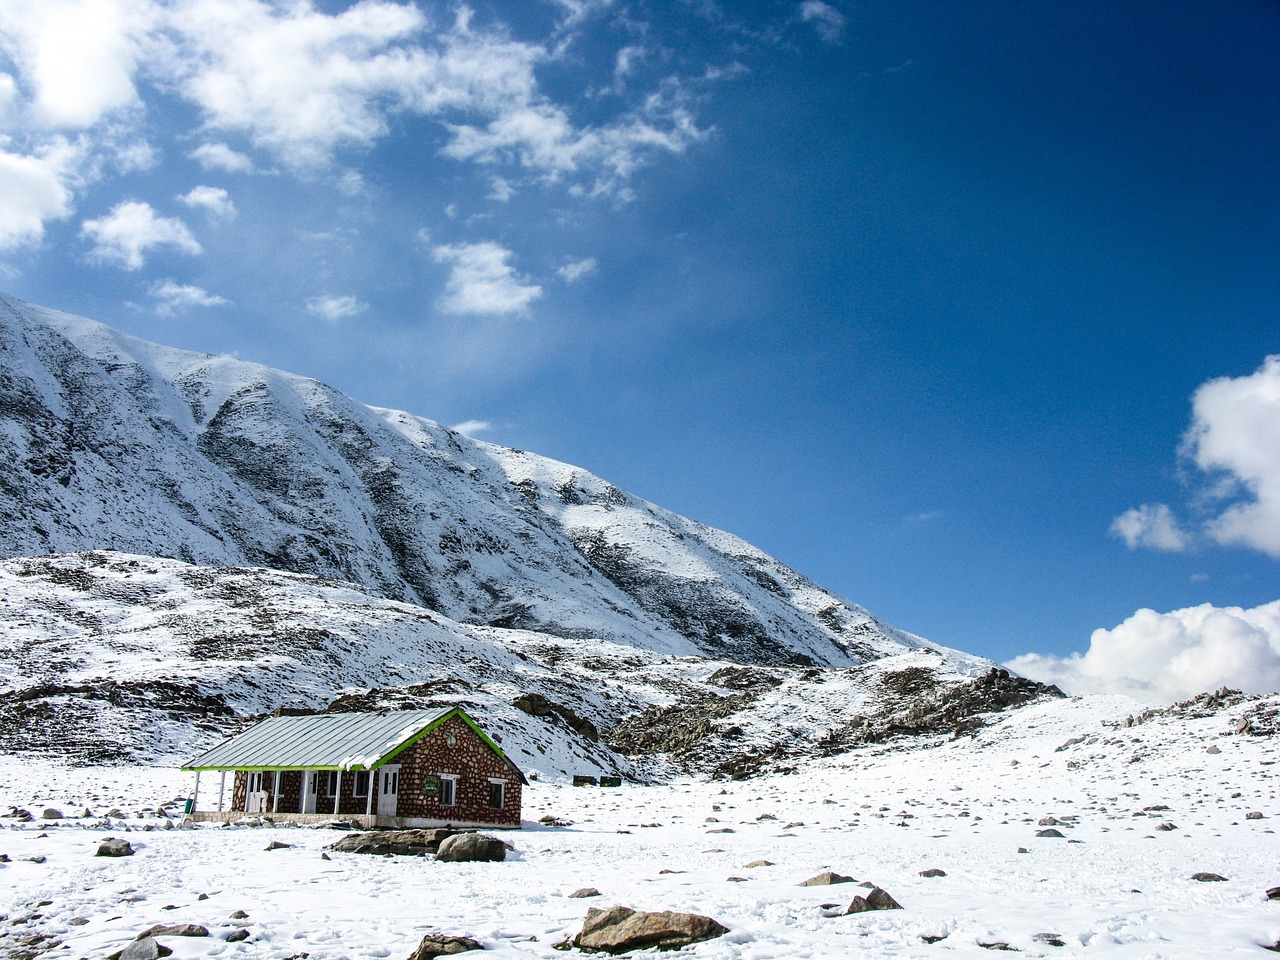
(1113, 886)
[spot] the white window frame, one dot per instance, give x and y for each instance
(356, 789)
(452, 780)
(502, 793)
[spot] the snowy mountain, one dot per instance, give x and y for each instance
(115, 443)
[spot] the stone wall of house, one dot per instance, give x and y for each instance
(472, 762)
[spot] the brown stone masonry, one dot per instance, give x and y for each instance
(475, 766)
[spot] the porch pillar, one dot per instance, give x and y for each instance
(337, 794)
(368, 804)
(275, 790)
(195, 795)
(222, 787)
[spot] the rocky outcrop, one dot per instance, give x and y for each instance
(466, 847)
(621, 929)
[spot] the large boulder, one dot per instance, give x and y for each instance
(621, 929)
(471, 846)
(114, 847)
(405, 842)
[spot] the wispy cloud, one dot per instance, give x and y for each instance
(577, 269)
(218, 156)
(132, 228)
(1162, 657)
(482, 281)
(334, 309)
(174, 297)
(1151, 525)
(828, 21)
(214, 199)
(469, 428)
(34, 189)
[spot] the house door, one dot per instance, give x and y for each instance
(388, 789)
(308, 791)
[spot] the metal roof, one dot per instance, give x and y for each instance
(324, 741)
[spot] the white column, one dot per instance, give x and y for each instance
(195, 797)
(368, 804)
(275, 789)
(337, 794)
(222, 787)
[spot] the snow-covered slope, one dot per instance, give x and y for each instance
(114, 443)
(112, 656)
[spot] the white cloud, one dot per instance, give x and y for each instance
(469, 428)
(214, 199)
(1234, 440)
(218, 156)
(827, 19)
(481, 280)
(502, 191)
(1151, 525)
(577, 269)
(1235, 434)
(175, 297)
(33, 190)
(131, 229)
(1163, 657)
(78, 57)
(334, 309)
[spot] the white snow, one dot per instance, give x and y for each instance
(879, 814)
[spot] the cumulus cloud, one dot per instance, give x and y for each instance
(334, 309)
(132, 228)
(1151, 525)
(576, 270)
(214, 199)
(481, 281)
(1163, 657)
(1234, 441)
(218, 156)
(174, 297)
(828, 21)
(34, 190)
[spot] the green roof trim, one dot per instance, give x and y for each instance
(333, 741)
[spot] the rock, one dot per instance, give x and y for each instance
(1052, 939)
(1049, 833)
(759, 863)
(238, 915)
(1050, 822)
(411, 843)
(465, 847)
(876, 899)
(1253, 815)
(1208, 878)
(174, 930)
(113, 847)
(50, 813)
(235, 936)
(622, 929)
(1273, 893)
(583, 892)
(1166, 826)
(115, 814)
(1215, 749)
(933, 872)
(439, 945)
(78, 921)
(146, 949)
(827, 877)
(277, 845)
(38, 858)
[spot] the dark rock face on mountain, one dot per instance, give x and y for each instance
(114, 443)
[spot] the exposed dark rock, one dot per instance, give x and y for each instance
(584, 892)
(1209, 877)
(403, 842)
(876, 899)
(621, 929)
(174, 930)
(825, 878)
(1051, 833)
(439, 945)
(933, 872)
(536, 705)
(235, 936)
(114, 847)
(147, 948)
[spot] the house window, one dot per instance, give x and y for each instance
(260, 781)
(328, 781)
(448, 790)
(361, 787)
(497, 794)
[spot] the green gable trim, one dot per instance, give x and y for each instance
(465, 718)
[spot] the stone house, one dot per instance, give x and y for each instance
(392, 768)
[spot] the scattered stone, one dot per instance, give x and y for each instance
(877, 899)
(277, 845)
(235, 936)
(1050, 833)
(1023, 850)
(933, 872)
(146, 949)
(1214, 749)
(403, 842)
(238, 915)
(114, 847)
(1273, 893)
(78, 921)
(1208, 878)
(759, 863)
(722, 830)
(50, 813)
(439, 945)
(115, 814)
(998, 945)
(550, 821)
(1253, 815)
(174, 930)
(1166, 826)
(935, 938)
(735, 879)
(1050, 822)
(621, 929)
(826, 878)
(466, 847)
(583, 892)
(38, 858)
(1052, 939)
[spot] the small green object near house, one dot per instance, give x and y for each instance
(391, 768)
(583, 780)
(610, 781)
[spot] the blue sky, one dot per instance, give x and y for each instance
(915, 296)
